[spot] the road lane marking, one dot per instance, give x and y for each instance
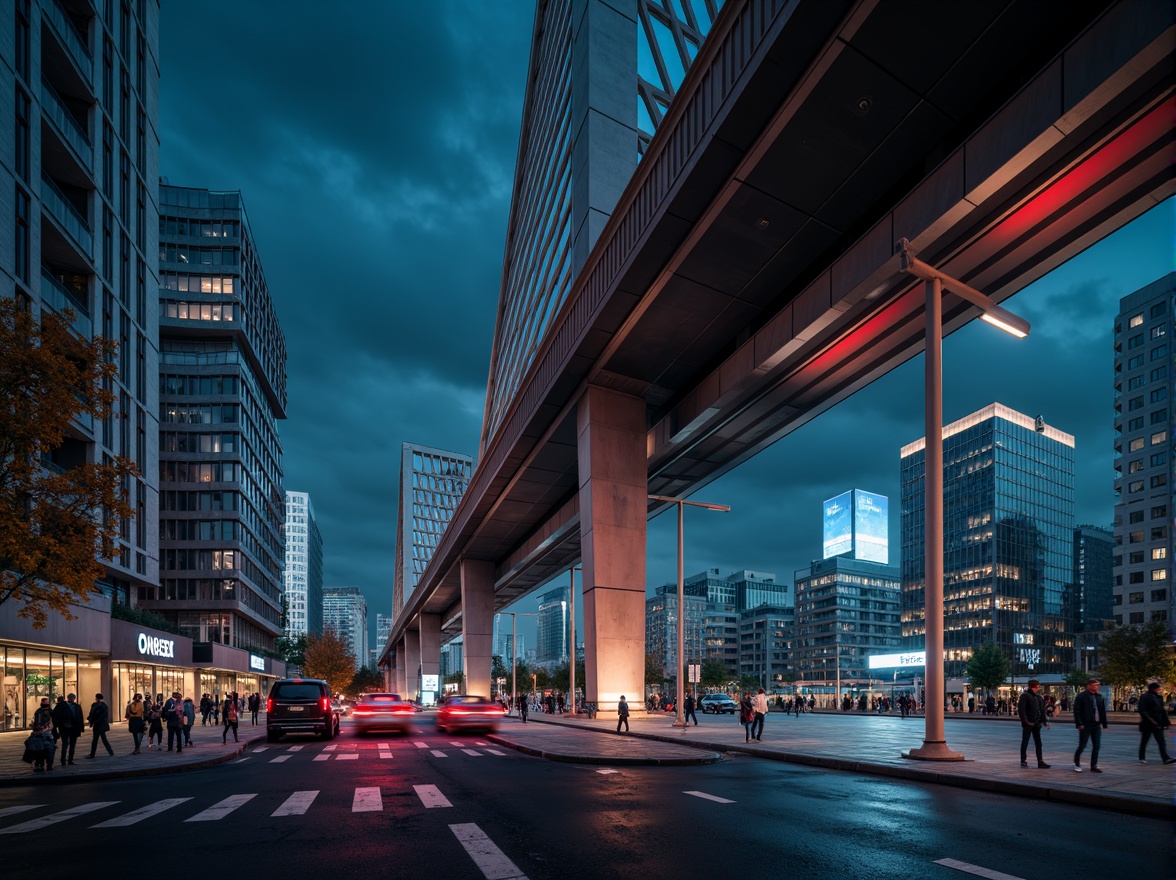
(295, 749)
(439, 754)
(431, 796)
(367, 800)
(261, 749)
(219, 811)
(473, 752)
(607, 770)
(709, 797)
(330, 748)
(975, 869)
(385, 745)
(279, 759)
(421, 745)
(496, 752)
(54, 818)
(385, 755)
(296, 804)
(322, 757)
(8, 811)
(240, 760)
(352, 756)
(456, 744)
(480, 743)
(143, 813)
(490, 859)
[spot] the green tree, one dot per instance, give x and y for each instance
(328, 657)
(498, 670)
(1076, 678)
(655, 670)
(292, 650)
(1132, 655)
(559, 680)
(365, 679)
(59, 515)
(988, 667)
(543, 679)
(749, 682)
(714, 673)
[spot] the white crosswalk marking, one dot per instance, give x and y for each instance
(296, 804)
(143, 813)
(473, 752)
(607, 770)
(240, 760)
(330, 748)
(480, 743)
(967, 868)
(709, 797)
(53, 819)
(385, 755)
(421, 745)
(219, 811)
(261, 749)
(431, 796)
(322, 757)
(437, 753)
(353, 756)
(367, 800)
(489, 858)
(496, 752)
(8, 811)
(385, 745)
(294, 749)
(279, 759)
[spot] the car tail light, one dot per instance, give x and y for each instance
(326, 704)
(269, 705)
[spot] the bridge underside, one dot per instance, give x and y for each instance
(747, 280)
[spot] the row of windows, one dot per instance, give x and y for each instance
(1157, 438)
(193, 386)
(177, 500)
(190, 560)
(199, 530)
(1136, 598)
(200, 414)
(172, 441)
(170, 227)
(1156, 482)
(184, 311)
(222, 284)
(200, 471)
(198, 256)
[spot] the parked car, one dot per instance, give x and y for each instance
(382, 712)
(718, 703)
(468, 712)
(300, 705)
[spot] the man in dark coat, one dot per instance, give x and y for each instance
(1090, 717)
(1153, 721)
(99, 723)
(1031, 711)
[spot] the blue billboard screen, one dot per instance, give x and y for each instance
(871, 527)
(838, 525)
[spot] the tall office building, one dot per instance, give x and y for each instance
(304, 568)
(846, 610)
(345, 614)
(432, 482)
(222, 389)
(1008, 532)
(1093, 593)
(79, 159)
(553, 627)
(506, 638)
(383, 629)
(1144, 454)
(766, 635)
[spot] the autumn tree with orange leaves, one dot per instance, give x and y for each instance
(57, 523)
(328, 657)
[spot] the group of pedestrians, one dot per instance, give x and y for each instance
(752, 712)
(1090, 719)
(63, 725)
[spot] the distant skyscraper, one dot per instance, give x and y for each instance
(766, 635)
(383, 629)
(432, 482)
(304, 568)
(504, 637)
(552, 628)
(1144, 389)
(856, 524)
(345, 614)
(1093, 592)
(846, 610)
(1008, 532)
(222, 389)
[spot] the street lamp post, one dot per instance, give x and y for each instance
(514, 654)
(681, 690)
(934, 746)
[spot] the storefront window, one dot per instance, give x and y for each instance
(39, 682)
(13, 717)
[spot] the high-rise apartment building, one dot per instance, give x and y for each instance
(222, 381)
(383, 629)
(553, 627)
(846, 610)
(303, 587)
(1144, 454)
(432, 482)
(1093, 593)
(1008, 532)
(766, 635)
(345, 614)
(78, 164)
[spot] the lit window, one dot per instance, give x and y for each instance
(1159, 553)
(1159, 574)
(1159, 437)
(1136, 320)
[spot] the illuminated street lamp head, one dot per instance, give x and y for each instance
(1006, 321)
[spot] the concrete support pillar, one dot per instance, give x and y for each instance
(611, 433)
(412, 664)
(431, 649)
(401, 664)
(477, 624)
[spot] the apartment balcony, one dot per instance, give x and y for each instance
(68, 129)
(66, 216)
(58, 297)
(74, 46)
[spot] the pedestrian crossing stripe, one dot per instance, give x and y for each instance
(219, 811)
(142, 813)
(54, 818)
(296, 804)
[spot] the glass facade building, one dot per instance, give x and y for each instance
(432, 482)
(553, 627)
(222, 388)
(1008, 531)
(1144, 455)
(303, 574)
(345, 614)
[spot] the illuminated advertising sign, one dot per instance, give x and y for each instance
(896, 661)
(153, 646)
(429, 683)
(838, 525)
(871, 526)
(256, 661)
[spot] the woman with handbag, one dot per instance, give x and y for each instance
(136, 716)
(746, 715)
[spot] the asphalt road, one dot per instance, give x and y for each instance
(457, 806)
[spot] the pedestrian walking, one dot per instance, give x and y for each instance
(155, 723)
(43, 727)
(1031, 711)
(189, 720)
(1090, 717)
(1153, 721)
(136, 717)
(173, 714)
(759, 704)
(99, 719)
(254, 707)
(622, 714)
(39, 745)
(205, 708)
(71, 725)
(229, 714)
(523, 708)
(746, 715)
(688, 707)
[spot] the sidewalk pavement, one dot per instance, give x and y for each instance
(859, 743)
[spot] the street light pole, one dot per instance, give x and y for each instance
(681, 690)
(572, 645)
(934, 746)
(514, 654)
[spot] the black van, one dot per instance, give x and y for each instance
(300, 705)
